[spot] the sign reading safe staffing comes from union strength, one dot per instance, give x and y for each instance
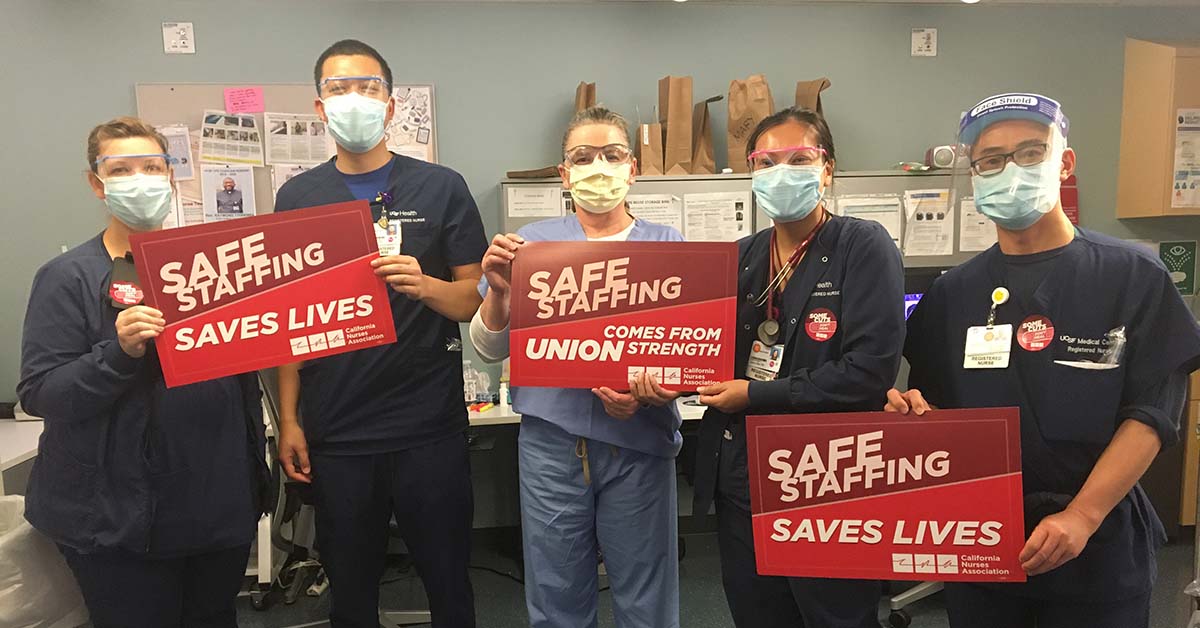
(885, 496)
(589, 314)
(259, 292)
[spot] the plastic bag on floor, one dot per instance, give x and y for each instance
(37, 589)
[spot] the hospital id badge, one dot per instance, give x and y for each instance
(988, 347)
(765, 362)
(387, 231)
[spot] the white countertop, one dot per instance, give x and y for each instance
(18, 441)
(506, 416)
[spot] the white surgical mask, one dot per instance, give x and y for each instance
(141, 201)
(356, 121)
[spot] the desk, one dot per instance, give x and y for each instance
(18, 446)
(506, 416)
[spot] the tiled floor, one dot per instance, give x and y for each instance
(500, 602)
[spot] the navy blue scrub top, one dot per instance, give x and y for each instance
(1069, 414)
(853, 271)
(409, 393)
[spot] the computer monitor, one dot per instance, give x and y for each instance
(917, 282)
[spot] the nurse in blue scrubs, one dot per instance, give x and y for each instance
(151, 493)
(597, 468)
(1092, 341)
(826, 292)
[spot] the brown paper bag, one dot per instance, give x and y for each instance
(585, 96)
(808, 94)
(703, 161)
(648, 147)
(749, 102)
(675, 113)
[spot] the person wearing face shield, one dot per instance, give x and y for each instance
(820, 327)
(152, 494)
(381, 432)
(1091, 340)
(597, 468)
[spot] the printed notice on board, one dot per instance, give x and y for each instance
(976, 232)
(526, 201)
(1185, 188)
(663, 209)
(230, 139)
(297, 138)
(716, 216)
(881, 208)
(179, 147)
(929, 223)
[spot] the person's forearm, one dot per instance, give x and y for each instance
(456, 300)
(495, 310)
(289, 394)
(1121, 465)
(491, 345)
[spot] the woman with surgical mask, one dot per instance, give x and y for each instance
(152, 494)
(820, 328)
(597, 468)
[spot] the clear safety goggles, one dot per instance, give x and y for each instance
(156, 164)
(369, 86)
(584, 154)
(791, 155)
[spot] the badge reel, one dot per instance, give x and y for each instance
(989, 347)
(387, 230)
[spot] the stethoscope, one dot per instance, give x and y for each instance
(768, 330)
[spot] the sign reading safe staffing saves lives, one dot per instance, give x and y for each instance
(885, 496)
(248, 294)
(588, 314)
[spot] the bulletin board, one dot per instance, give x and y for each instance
(185, 103)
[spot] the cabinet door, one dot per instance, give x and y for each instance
(1191, 467)
(1186, 87)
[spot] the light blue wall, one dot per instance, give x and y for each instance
(505, 75)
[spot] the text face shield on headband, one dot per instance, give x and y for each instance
(1014, 144)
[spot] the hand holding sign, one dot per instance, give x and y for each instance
(403, 273)
(646, 390)
(136, 326)
(904, 402)
(728, 397)
(497, 261)
(617, 405)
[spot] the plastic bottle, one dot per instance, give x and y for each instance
(483, 387)
(470, 382)
(504, 400)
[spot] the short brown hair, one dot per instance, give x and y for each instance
(117, 128)
(596, 115)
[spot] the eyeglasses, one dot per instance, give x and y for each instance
(127, 165)
(792, 155)
(994, 164)
(583, 155)
(369, 86)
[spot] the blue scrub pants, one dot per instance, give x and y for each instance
(581, 496)
(976, 606)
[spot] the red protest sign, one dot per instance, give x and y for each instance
(884, 496)
(588, 314)
(258, 292)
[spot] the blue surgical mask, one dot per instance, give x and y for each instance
(1019, 196)
(141, 201)
(788, 193)
(356, 121)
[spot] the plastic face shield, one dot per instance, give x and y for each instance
(155, 164)
(369, 86)
(584, 154)
(791, 155)
(1008, 141)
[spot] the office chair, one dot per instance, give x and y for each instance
(294, 509)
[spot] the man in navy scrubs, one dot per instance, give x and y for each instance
(1089, 337)
(384, 428)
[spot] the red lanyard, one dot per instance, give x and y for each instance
(776, 275)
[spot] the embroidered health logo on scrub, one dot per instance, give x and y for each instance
(821, 324)
(1035, 333)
